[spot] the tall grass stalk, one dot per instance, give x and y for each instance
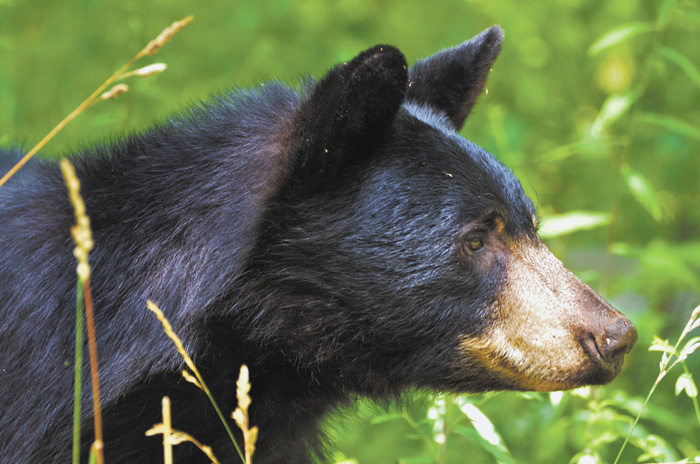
(78, 371)
(98, 445)
(82, 236)
(197, 379)
(100, 94)
(669, 353)
(167, 444)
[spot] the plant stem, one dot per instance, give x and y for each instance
(190, 364)
(665, 369)
(221, 416)
(639, 415)
(442, 451)
(94, 97)
(78, 367)
(407, 417)
(167, 432)
(87, 103)
(94, 372)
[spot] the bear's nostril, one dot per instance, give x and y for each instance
(617, 340)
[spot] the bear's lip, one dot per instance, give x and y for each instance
(610, 368)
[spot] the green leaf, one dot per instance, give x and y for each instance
(619, 35)
(683, 62)
(667, 351)
(340, 458)
(604, 438)
(690, 346)
(685, 382)
(670, 123)
(658, 344)
(484, 431)
(695, 325)
(613, 109)
(530, 396)
(501, 456)
(589, 147)
(694, 319)
(585, 457)
(656, 448)
(643, 192)
(665, 13)
(573, 221)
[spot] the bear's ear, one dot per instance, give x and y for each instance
(451, 80)
(346, 114)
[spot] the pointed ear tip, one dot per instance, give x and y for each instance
(494, 34)
(488, 40)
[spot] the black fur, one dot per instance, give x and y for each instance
(310, 235)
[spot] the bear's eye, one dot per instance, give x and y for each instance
(473, 244)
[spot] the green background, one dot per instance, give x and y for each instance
(595, 105)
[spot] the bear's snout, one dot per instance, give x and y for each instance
(610, 345)
(552, 331)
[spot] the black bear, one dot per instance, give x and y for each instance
(341, 240)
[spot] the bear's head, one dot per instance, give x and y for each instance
(400, 254)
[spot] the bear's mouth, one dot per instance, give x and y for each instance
(606, 369)
(592, 349)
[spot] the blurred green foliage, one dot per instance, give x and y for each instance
(595, 105)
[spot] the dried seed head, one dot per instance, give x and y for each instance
(239, 417)
(171, 334)
(83, 271)
(242, 389)
(191, 379)
(146, 71)
(251, 438)
(81, 232)
(155, 44)
(150, 70)
(114, 92)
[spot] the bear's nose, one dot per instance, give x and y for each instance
(615, 341)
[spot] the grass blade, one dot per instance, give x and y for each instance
(672, 124)
(619, 35)
(643, 192)
(573, 221)
(683, 62)
(614, 107)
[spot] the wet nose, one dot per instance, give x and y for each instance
(616, 340)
